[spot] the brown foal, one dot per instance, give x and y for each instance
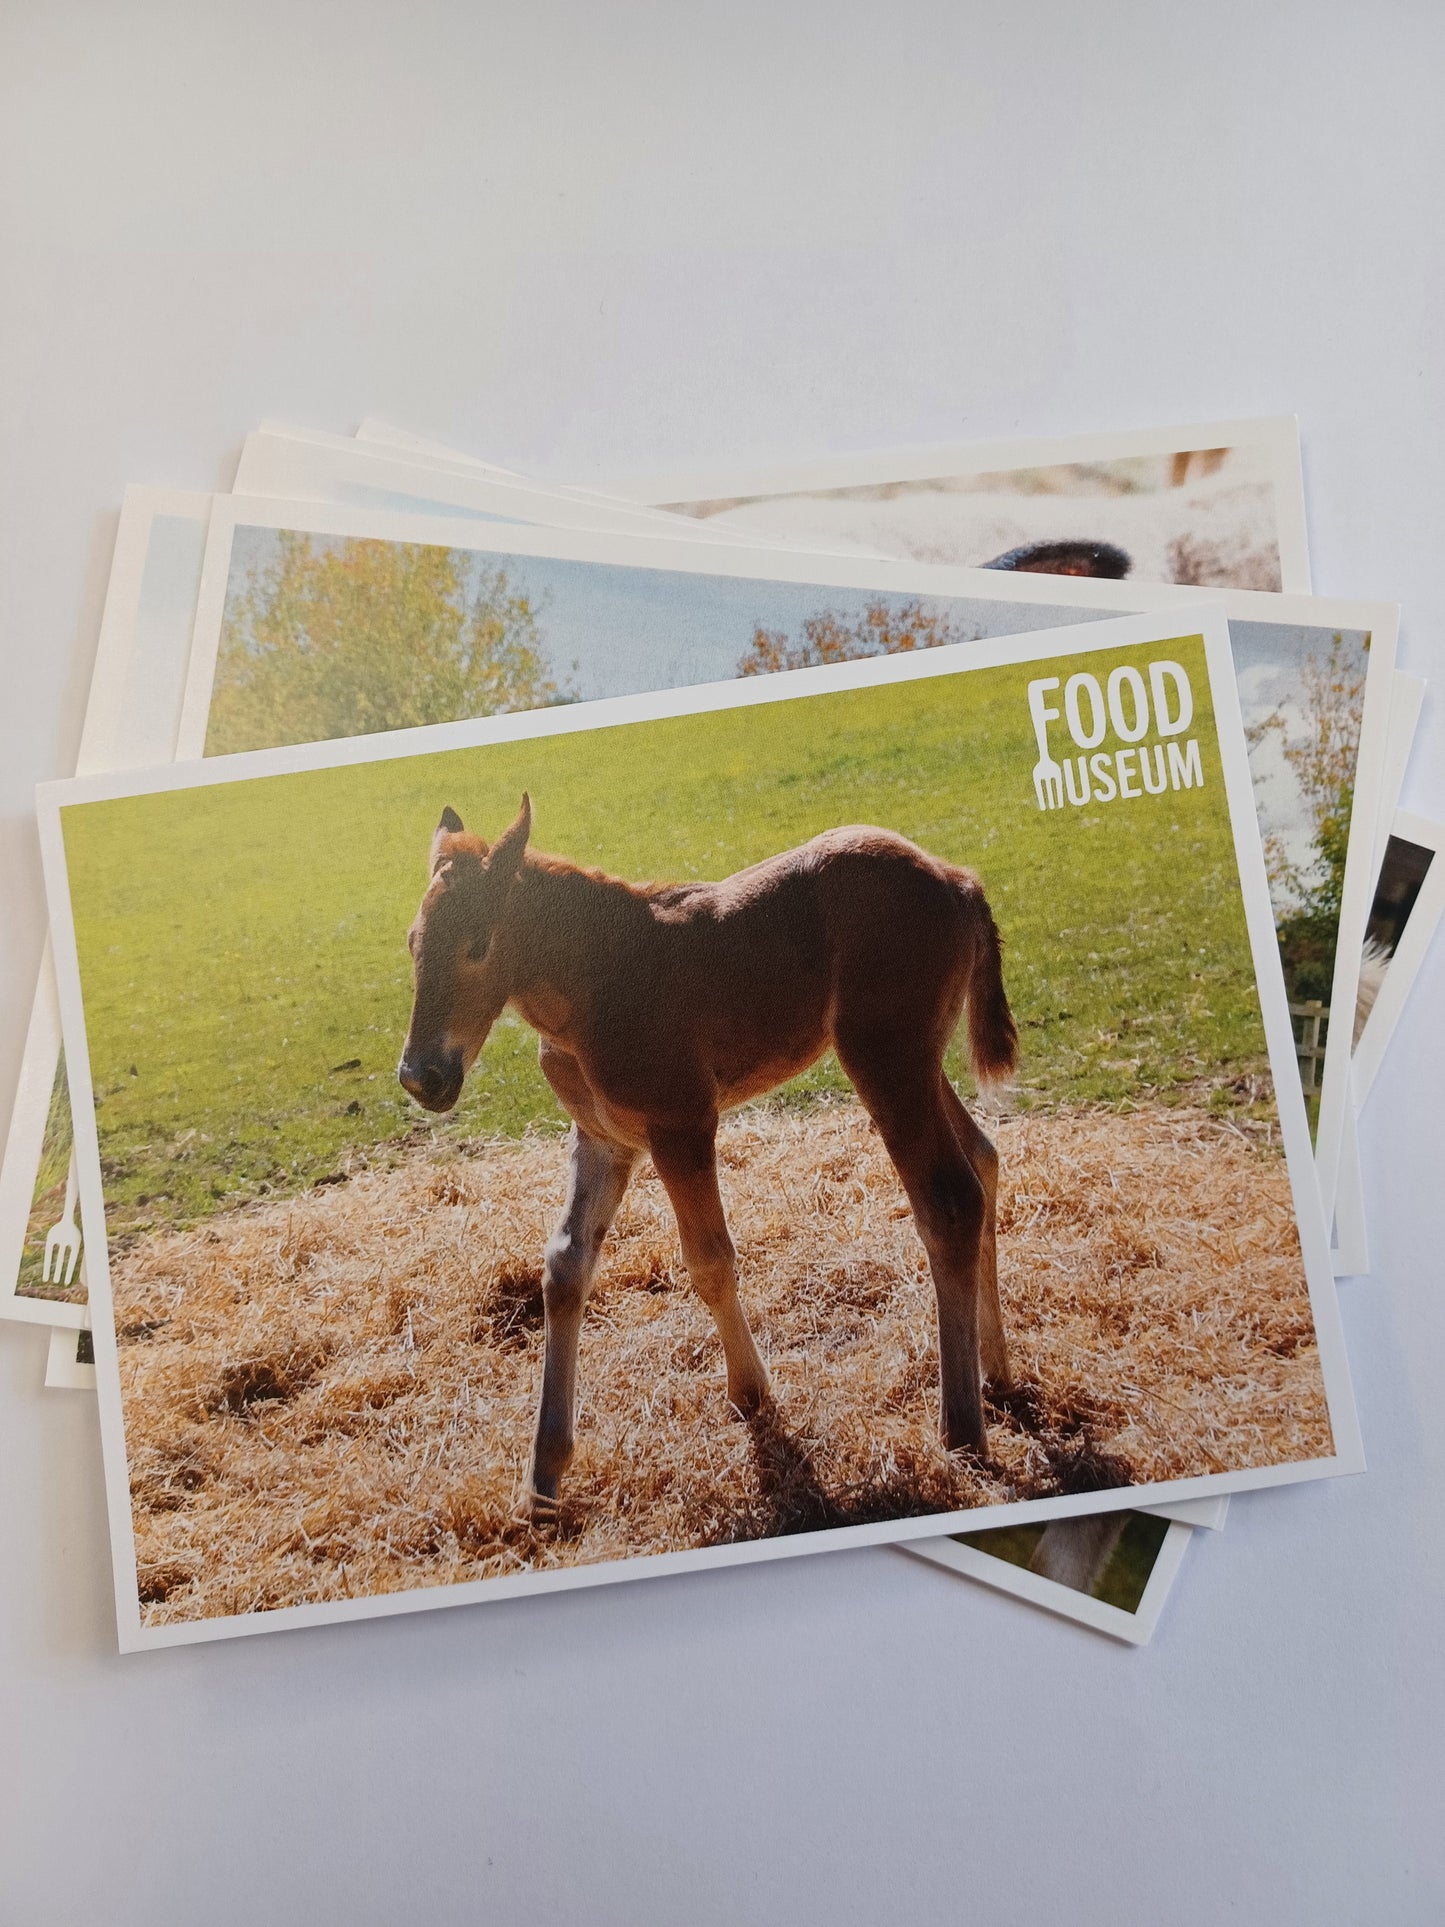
(659, 1007)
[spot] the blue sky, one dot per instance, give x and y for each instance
(614, 631)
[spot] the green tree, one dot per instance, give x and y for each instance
(1308, 894)
(881, 630)
(344, 638)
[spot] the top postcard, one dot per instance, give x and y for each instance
(547, 1150)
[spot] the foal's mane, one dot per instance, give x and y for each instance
(564, 868)
(465, 844)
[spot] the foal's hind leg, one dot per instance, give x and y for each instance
(686, 1162)
(902, 1089)
(979, 1151)
(597, 1176)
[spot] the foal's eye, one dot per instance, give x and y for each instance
(478, 950)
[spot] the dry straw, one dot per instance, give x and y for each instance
(334, 1397)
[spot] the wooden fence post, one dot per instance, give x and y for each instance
(1313, 1018)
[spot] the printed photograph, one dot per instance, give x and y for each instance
(1204, 516)
(684, 1133)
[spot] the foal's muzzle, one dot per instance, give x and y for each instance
(435, 1080)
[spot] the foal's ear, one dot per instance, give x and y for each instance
(509, 848)
(448, 826)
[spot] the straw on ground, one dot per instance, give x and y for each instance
(334, 1396)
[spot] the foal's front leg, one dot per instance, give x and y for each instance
(687, 1164)
(597, 1176)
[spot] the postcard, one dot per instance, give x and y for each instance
(1350, 1251)
(1404, 916)
(317, 1363)
(1112, 1573)
(1213, 1502)
(1407, 697)
(1215, 504)
(131, 721)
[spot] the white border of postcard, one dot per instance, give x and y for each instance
(1350, 1253)
(1205, 619)
(308, 465)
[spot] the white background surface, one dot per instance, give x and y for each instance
(593, 239)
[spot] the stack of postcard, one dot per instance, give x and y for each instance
(601, 1031)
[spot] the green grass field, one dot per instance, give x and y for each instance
(47, 1199)
(247, 987)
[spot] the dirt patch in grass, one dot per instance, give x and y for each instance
(334, 1396)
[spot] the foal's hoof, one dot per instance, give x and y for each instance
(751, 1402)
(536, 1510)
(975, 1448)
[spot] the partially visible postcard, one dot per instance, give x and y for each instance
(70, 1361)
(1112, 1573)
(1405, 914)
(1218, 504)
(131, 720)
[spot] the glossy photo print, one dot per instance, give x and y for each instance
(767, 1278)
(387, 600)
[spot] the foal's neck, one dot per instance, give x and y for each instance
(561, 920)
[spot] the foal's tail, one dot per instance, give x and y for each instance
(993, 1039)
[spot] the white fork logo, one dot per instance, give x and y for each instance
(62, 1245)
(1048, 775)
